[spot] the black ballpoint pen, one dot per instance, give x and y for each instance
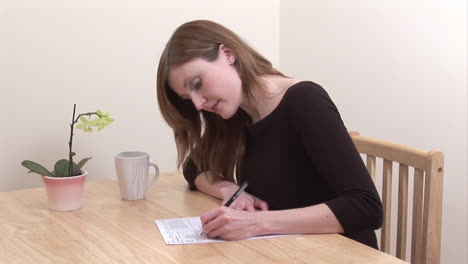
(234, 196)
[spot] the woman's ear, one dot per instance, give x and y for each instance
(227, 53)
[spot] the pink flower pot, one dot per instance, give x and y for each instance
(64, 193)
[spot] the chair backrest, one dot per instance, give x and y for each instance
(427, 182)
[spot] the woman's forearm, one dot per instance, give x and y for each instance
(313, 219)
(218, 189)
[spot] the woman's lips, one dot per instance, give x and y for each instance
(214, 107)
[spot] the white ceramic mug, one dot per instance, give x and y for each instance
(132, 168)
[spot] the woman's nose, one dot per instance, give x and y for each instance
(198, 101)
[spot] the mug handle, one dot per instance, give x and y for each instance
(156, 174)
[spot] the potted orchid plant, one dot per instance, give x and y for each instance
(64, 184)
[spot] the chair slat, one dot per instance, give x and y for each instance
(417, 216)
(370, 164)
(402, 220)
(387, 204)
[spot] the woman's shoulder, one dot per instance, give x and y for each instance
(308, 107)
(306, 92)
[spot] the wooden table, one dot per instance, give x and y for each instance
(108, 229)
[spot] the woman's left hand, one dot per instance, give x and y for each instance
(230, 224)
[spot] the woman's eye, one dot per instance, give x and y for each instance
(196, 85)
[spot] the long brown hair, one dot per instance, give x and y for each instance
(214, 144)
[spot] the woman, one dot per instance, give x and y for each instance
(236, 118)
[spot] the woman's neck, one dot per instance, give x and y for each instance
(266, 99)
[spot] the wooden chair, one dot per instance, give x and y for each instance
(427, 182)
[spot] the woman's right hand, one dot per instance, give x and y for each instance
(244, 201)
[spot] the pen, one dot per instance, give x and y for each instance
(234, 196)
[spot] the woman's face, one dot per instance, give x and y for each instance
(212, 86)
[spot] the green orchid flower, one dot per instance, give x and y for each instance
(102, 120)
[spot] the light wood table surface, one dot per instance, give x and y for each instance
(108, 229)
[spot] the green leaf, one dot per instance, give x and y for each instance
(36, 168)
(80, 165)
(76, 171)
(61, 168)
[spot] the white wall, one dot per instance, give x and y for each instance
(100, 54)
(397, 70)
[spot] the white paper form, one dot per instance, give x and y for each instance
(183, 231)
(187, 230)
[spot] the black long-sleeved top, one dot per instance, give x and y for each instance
(301, 154)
